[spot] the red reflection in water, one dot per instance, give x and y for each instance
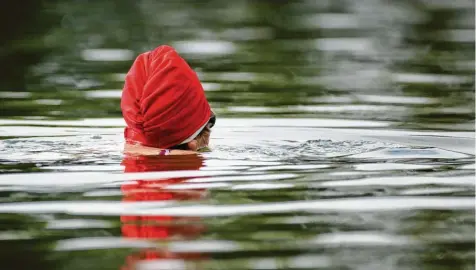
(159, 228)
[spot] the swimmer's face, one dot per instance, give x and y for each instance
(202, 140)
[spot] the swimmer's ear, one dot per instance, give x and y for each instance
(193, 145)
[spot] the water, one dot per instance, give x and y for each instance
(345, 137)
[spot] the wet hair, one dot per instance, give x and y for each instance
(183, 146)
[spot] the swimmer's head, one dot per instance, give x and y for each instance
(198, 142)
(164, 104)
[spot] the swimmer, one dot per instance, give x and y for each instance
(164, 106)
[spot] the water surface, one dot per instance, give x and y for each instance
(345, 137)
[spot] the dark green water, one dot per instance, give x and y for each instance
(345, 137)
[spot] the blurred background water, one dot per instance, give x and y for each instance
(345, 137)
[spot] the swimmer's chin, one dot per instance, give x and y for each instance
(136, 149)
(205, 149)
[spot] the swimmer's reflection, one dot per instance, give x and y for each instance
(159, 228)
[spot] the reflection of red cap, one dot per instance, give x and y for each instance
(138, 163)
(157, 227)
(163, 102)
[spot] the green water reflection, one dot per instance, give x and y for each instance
(333, 59)
(410, 62)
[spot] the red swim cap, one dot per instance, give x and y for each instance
(163, 102)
